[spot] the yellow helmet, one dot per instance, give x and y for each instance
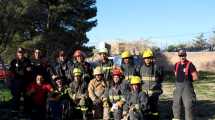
(77, 72)
(126, 54)
(97, 71)
(148, 53)
(135, 80)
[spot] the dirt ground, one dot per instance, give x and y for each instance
(204, 110)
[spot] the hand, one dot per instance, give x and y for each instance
(54, 76)
(28, 69)
(119, 104)
(114, 107)
(105, 104)
(136, 106)
(96, 102)
(124, 113)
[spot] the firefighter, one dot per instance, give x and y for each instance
(59, 101)
(106, 64)
(96, 90)
(152, 77)
(136, 101)
(128, 66)
(78, 93)
(115, 96)
(21, 69)
(63, 68)
(185, 73)
(41, 65)
(86, 68)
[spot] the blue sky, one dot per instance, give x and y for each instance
(164, 22)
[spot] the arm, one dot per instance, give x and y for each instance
(126, 105)
(91, 91)
(194, 72)
(144, 101)
(195, 75)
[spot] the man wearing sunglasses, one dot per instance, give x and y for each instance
(185, 73)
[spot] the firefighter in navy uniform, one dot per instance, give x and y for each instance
(185, 73)
(78, 93)
(63, 67)
(152, 77)
(136, 101)
(21, 69)
(128, 67)
(115, 96)
(86, 68)
(41, 66)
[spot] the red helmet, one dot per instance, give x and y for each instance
(78, 53)
(117, 72)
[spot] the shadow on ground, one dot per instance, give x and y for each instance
(204, 110)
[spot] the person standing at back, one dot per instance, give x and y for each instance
(185, 74)
(63, 68)
(79, 62)
(152, 77)
(21, 69)
(106, 65)
(128, 67)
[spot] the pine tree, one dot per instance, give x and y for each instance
(47, 24)
(200, 42)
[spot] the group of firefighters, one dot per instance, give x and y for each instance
(76, 87)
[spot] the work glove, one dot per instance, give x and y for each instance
(28, 69)
(137, 106)
(105, 104)
(124, 113)
(82, 102)
(114, 107)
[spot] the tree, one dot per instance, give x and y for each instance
(171, 48)
(212, 42)
(47, 24)
(200, 42)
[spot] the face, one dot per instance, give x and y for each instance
(126, 60)
(37, 54)
(116, 79)
(103, 56)
(77, 78)
(39, 79)
(98, 77)
(19, 55)
(80, 59)
(182, 58)
(148, 61)
(59, 82)
(62, 58)
(135, 87)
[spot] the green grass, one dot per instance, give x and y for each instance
(204, 87)
(205, 91)
(5, 94)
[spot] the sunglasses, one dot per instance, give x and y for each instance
(182, 55)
